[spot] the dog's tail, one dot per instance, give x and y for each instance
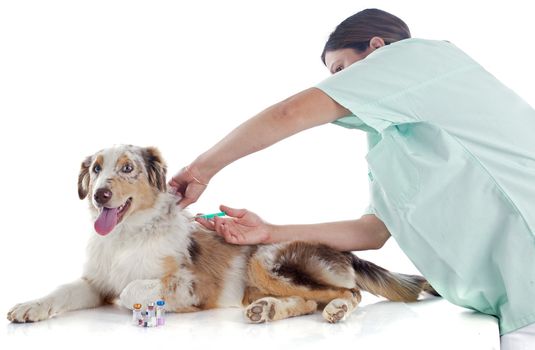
(391, 285)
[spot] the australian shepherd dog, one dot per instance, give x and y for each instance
(146, 248)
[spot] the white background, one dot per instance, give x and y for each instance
(79, 76)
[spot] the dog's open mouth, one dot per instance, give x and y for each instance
(110, 217)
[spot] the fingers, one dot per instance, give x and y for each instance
(190, 194)
(178, 181)
(173, 183)
(209, 224)
(179, 189)
(224, 229)
(237, 213)
(228, 228)
(184, 202)
(219, 224)
(183, 186)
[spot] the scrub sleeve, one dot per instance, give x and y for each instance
(452, 171)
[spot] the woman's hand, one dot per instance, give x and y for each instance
(241, 227)
(188, 186)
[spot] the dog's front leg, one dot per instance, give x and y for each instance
(141, 292)
(73, 296)
(177, 291)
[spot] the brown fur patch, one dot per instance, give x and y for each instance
(156, 168)
(99, 160)
(273, 285)
(301, 252)
(83, 178)
(210, 259)
(143, 194)
(170, 267)
(213, 259)
(305, 264)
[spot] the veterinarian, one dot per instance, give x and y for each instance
(451, 166)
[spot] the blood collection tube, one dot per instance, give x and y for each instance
(160, 313)
(151, 313)
(136, 314)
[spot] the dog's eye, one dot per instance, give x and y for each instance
(127, 168)
(97, 169)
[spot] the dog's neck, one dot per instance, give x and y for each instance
(164, 212)
(163, 216)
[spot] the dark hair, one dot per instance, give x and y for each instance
(355, 32)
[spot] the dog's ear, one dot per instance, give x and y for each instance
(83, 178)
(156, 168)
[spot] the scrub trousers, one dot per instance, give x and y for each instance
(521, 339)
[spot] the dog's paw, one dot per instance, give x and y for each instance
(32, 311)
(336, 310)
(261, 310)
(141, 292)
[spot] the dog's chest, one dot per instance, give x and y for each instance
(136, 262)
(114, 264)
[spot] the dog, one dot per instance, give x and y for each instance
(147, 248)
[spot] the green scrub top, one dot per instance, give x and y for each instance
(452, 171)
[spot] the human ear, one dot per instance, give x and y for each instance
(376, 42)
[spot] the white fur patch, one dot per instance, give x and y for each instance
(232, 293)
(344, 279)
(266, 254)
(184, 296)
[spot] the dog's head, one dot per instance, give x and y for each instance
(121, 181)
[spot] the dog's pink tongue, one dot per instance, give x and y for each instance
(106, 221)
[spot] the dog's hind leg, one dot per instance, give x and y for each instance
(273, 309)
(339, 308)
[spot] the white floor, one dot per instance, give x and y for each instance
(432, 323)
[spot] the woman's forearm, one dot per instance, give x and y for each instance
(304, 110)
(255, 134)
(365, 233)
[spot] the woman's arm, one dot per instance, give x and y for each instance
(302, 111)
(245, 227)
(365, 233)
(309, 108)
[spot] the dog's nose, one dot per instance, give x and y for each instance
(102, 196)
